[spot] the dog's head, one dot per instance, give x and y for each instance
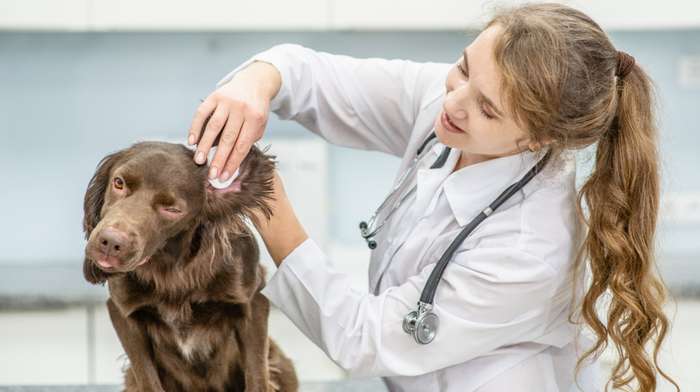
(141, 197)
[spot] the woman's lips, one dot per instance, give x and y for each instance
(445, 119)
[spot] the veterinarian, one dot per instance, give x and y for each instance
(537, 83)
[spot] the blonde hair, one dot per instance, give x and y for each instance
(560, 81)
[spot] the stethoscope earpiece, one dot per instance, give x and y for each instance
(372, 244)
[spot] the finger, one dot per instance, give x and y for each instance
(250, 133)
(200, 117)
(226, 143)
(211, 131)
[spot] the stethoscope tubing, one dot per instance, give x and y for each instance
(428, 293)
(423, 323)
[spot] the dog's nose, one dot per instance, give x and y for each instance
(113, 242)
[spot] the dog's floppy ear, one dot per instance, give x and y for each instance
(257, 177)
(94, 195)
(92, 206)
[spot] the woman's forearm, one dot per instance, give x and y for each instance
(282, 233)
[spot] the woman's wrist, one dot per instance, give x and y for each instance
(267, 77)
(282, 233)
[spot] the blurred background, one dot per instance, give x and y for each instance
(82, 78)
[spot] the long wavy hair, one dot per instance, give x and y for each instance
(561, 83)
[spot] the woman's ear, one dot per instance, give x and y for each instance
(94, 195)
(537, 145)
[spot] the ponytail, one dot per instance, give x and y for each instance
(622, 197)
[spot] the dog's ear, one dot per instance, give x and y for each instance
(92, 207)
(256, 189)
(94, 195)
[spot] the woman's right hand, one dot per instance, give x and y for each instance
(234, 116)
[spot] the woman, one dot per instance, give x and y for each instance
(538, 79)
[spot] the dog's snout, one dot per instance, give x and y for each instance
(113, 242)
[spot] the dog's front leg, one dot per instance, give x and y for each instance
(135, 343)
(254, 345)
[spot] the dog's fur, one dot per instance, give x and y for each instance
(185, 280)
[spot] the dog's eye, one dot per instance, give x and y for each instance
(118, 183)
(171, 212)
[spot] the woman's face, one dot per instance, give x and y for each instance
(473, 105)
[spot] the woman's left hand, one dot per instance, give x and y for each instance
(283, 232)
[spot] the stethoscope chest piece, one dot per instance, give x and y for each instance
(422, 324)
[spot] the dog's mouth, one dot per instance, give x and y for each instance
(112, 264)
(109, 263)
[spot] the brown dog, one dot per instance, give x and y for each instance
(182, 270)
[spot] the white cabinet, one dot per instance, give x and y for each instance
(208, 15)
(637, 15)
(462, 14)
(44, 14)
(407, 14)
(270, 15)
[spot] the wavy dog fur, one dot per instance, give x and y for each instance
(191, 318)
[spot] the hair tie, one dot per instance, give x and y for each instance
(625, 63)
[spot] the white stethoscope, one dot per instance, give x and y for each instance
(422, 323)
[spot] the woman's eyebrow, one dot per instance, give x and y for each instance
(484, 98)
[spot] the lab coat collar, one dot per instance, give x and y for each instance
(470, 189)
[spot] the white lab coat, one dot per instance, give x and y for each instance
(504, 299)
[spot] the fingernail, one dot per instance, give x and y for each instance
(224, 176)
(190, 140)
(212, 172)
(199, 158)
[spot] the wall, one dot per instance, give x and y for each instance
(67, 99)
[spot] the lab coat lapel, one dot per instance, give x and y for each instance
(471, 189)
(427, 183)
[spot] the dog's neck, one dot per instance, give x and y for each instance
(185, 244)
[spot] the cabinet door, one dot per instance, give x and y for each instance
(43, 14)
(461, 14)
(209, 15)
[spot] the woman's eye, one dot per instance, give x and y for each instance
(118, 183)
(462, 70)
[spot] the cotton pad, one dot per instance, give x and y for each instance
(216, 183)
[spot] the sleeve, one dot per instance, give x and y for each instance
(367, 103)
(487, 298)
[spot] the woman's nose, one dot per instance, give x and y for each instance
(459, 114)
(455, 104)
